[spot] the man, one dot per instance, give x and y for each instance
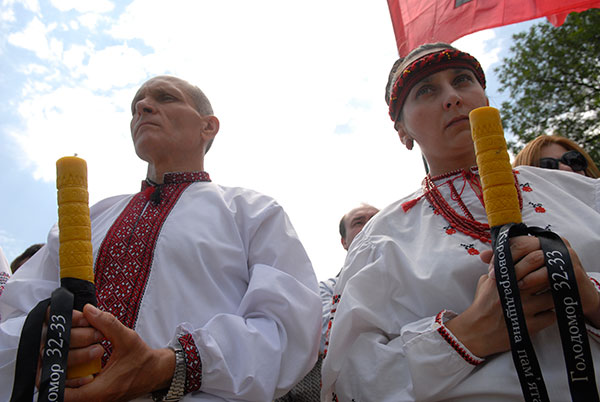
(197, 284)
(350, 225)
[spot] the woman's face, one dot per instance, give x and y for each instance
(436, 116)
(556, 151)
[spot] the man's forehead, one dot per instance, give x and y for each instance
(362, 211)
(162, 81)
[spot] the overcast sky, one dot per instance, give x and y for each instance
(297, 85)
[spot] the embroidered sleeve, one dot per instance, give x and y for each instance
(590, 329)
(335, 301)
(440, 319)
(3, 279)
(193, 378)
(596, 283)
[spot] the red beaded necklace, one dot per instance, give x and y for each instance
(466, 223)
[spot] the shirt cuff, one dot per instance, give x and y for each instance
(193, 378)
(591, 329)
(449, 337)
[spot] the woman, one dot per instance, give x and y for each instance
(557, 152)
(419, 317)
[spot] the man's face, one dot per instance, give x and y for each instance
(355, 220)
(165, 125)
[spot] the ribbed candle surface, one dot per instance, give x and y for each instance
(75, 252)
(497, 179)
(75, 236)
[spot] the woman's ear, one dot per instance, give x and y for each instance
(404, 137)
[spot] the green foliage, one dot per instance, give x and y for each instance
(553, 78)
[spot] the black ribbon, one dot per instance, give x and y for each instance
(74, 293)
(569, 314)
(54, 358)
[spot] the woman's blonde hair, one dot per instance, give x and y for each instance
(530, 155)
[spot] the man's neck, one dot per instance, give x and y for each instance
(157, 174)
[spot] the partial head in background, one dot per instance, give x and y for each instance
(26, 255)
(352, 223)
(557, 152)
(172, 125)
(430, 93)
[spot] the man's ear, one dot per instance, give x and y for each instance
(344, 244)
(210, 127)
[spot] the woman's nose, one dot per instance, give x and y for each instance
(452, 100)
(562, 166)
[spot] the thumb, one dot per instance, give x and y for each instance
(486, 256)
(108, 324)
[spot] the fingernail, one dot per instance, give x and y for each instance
(97, 351)
(98, 336)
(93, 310)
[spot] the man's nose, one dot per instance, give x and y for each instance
(144, 106)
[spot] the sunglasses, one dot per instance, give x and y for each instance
(573, 159)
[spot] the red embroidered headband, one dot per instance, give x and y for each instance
(429, 64)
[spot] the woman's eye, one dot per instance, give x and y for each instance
(167, 97)
(463, 78)
(424, 90)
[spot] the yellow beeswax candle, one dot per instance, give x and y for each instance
(75, 252)
(497, 179)
(75, 245)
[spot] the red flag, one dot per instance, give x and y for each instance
(422, 21)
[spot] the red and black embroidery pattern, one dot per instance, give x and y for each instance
(526, 187)
(470, 248)
(538, 207)
(448, 337)
(123, 264)
(3, 279)
(193, 377)
(335, 301)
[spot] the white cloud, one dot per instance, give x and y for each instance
(66, 121)
(30, 5)
(73, 59)
(114, 66)
(35, 38)
(7, 15)
(90, 20)
(477, 44)
(96, 6)
(34, 68)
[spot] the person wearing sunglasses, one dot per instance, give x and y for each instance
(557, 152)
